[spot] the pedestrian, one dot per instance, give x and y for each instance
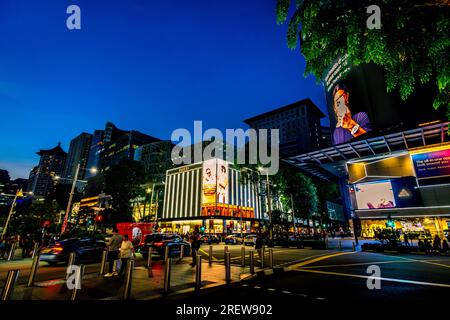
(126, 252)
(114, 244)
(437, 244)
(405, 238)
(2, 247)
(195, 245)
(259, 245)
(421, 245)
(445, 247)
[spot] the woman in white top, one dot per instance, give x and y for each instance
(126, 252)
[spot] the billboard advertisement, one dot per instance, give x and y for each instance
(222, 181)
(360, 106)
(432, 163)
(209, 183)
(374, 195)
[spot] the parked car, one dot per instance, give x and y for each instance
(159, 241)
(209, 239)
(86, 250)
(250, 240)
(233, 239)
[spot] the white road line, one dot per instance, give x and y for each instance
(287, 292)
(271, 289)
(256, 287)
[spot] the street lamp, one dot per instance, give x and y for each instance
(269, 200)
(72, 190)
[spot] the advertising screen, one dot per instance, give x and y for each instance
(360, 106)
(209, 183)
(222, 181)
(374, 195)
(432, 164)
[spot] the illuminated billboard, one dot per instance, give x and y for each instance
(359, 105)
(209, 184)
(432, 163)
(222, 181)
(375, 195)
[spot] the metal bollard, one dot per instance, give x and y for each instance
(34, 268)
(271, 258)
(262, 257)
(353, 246)
(198, 272)
(104, 261)
(225, 250)
(326, 243)
(149, 262)
(166, 254)
(12, 251)
(128, 280)
(340, 245)
(167, 271)
(252, 262)
(35, 250)
(228, 267)
(210, 255)
(243, 257)
(181, 252)
(79, 279)
(10, 282)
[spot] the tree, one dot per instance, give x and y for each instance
(123, 182)
(412, 44)
(61, 195)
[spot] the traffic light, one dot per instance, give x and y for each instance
(390, 223)
(99, 218)
(202, 229)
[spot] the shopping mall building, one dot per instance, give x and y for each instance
(391, 158)
(210, 194)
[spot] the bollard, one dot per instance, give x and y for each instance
(271, 258)
(35, 250)
(128, 280)
(243, 257)
(210, 255)
(149, 262)
(353, 246)
(167, 270)
(225, 250)
(10, 282)
(12, 251)
(326, 243)
(104, 261)
(166, 254)
(340, 245)
(198, 272)
(79, 278)
(181, 252)
(34, 268)
(252, 262)
(262, 257)
(228, 267)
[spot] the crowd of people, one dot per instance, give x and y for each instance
(435, 246)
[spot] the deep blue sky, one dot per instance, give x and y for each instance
(147, 65)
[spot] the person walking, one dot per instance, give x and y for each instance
(126, 252)
(195, 245)
(114, 244)
(445, 247)
(437, 244)
(259, 245)
(405, 238)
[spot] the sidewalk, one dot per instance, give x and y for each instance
(95, 287)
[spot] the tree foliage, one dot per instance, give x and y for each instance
(412, 45)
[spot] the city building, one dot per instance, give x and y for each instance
(95, 149)
(391, 158)
(156, 158)
(78, 154)
(211, 194)
(43, 177)
(299, 126)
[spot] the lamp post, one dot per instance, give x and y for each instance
(72, 191)
(269, 201)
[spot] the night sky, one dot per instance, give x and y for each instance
(152, 66)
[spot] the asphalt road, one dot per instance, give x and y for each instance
(340, 277)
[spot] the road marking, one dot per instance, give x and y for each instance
(303, 295)
(328, 256)
(443, 285)
(425, 261)
(245, 285)
(256, 287)
(287, 292)
(204, 252)
(356, 264)
(271, 289)
(320, 298)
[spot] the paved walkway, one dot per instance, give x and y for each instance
(143, 286)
